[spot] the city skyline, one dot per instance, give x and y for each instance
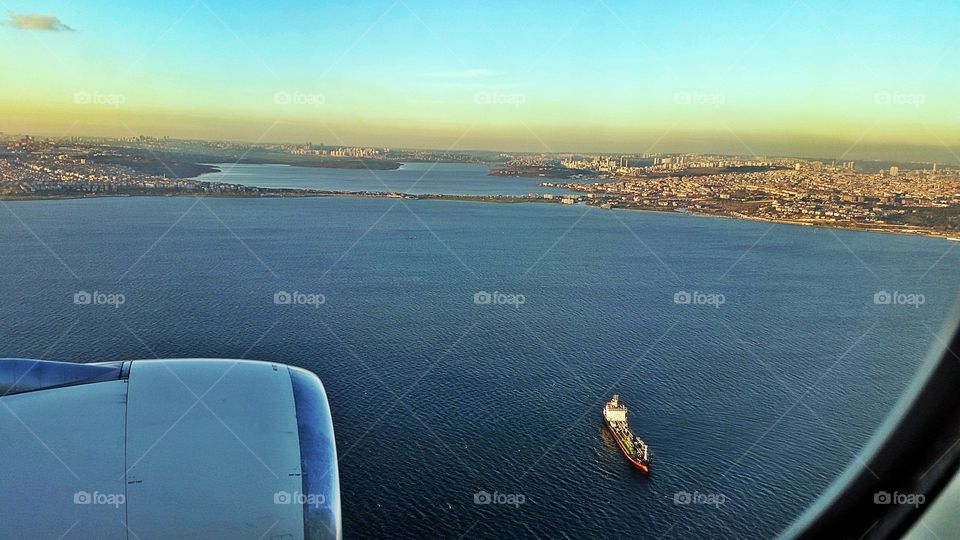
(798, 78)
(919, 155)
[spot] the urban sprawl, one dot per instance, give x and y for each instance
(907, 197)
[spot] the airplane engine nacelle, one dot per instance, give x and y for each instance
(194, 448)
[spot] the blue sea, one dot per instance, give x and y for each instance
(413, 178)
(467, 348)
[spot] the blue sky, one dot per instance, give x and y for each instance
(561, 76)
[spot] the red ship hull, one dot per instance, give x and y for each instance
(643, 468)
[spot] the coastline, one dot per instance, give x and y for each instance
(808, 224)
(497, 199)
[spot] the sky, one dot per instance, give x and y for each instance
(856, 79)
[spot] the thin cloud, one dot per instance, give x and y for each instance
(46, 23)
(464, 74)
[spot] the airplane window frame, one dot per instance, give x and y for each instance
(916, 451)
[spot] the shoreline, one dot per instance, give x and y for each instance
(807, 224)
(496, 199)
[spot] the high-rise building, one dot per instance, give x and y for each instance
(894, 171)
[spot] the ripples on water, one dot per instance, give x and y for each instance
(436, 398)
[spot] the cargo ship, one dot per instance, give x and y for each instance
(635, 450)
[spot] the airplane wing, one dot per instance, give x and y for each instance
(187, 448)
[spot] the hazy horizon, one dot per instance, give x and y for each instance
(880, 153)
